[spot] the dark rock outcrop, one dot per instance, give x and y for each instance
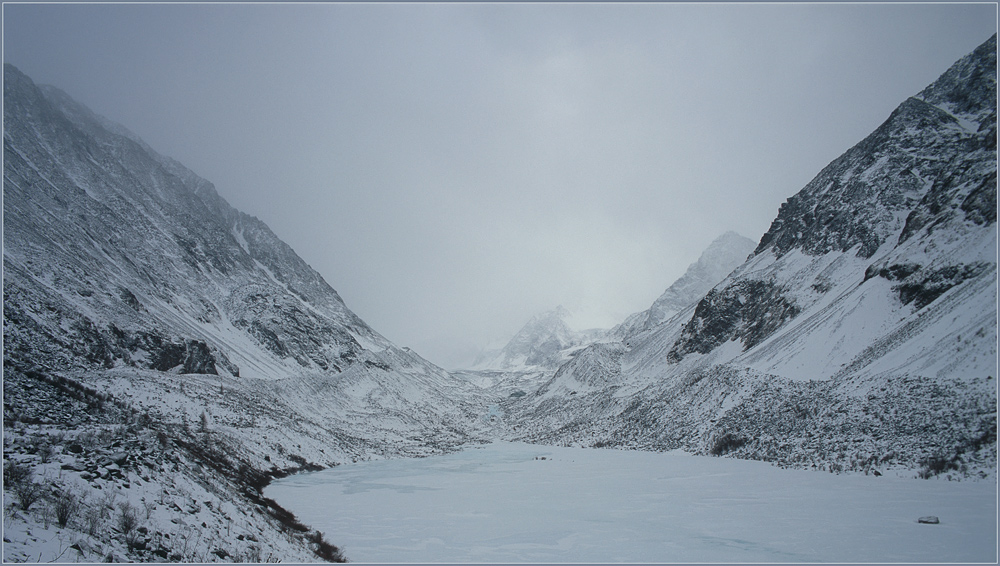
(748, 310)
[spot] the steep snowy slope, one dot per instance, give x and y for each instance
(862, 328)
(115, 254)
(914, 204)
(137, 300)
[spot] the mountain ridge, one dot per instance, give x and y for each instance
(216, 258)
(137, 300)
(724, 254)
(860, 333)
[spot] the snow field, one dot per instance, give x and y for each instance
(504, 503)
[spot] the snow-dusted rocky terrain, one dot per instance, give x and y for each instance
(166, 356)
(861, 333)
(144, 316)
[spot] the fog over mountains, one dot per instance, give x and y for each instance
(167, 349)
(547, 340)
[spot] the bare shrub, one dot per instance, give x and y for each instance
(93, 520)
(128, 520)
(27, 493)
(87, 440)
(15, 473)
(936, 465)
(148, 507)
(253, 554)
(726, 443)
(325, 550)
(45, 452)
(17, 479)
(65, 505)
(131, 539)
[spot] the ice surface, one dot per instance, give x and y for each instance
(504, 503)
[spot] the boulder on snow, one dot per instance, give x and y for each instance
(115, 459)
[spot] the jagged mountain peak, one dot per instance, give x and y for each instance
(969, 85)
(549, 326)
(556, 316)
(723, 255)
(543, 343)
(862, 198)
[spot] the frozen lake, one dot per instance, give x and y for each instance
(504, 503)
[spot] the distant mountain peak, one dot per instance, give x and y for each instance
(555, 316)
(543, 343)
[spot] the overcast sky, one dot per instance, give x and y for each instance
(454, 169)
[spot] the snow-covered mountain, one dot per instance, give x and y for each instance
(167, 353)
(861, 332)
(547, 342)
(129, 283)
(543, 344)
(116, 257)
(119, 256)
(724, 254)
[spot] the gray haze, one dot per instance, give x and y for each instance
(454, 169)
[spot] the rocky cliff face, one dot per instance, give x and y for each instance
(860, 333)
(930, 168)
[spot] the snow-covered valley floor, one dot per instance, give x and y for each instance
(510, 502)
